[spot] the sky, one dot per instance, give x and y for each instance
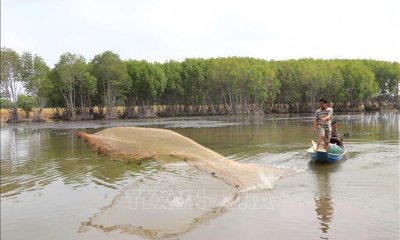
(160, 30)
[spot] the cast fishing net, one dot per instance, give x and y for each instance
(133, 144)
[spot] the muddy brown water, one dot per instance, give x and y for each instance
(54, 187)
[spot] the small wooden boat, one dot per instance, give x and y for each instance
(321, 156)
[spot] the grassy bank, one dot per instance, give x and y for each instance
(158, 111)
(4, 114)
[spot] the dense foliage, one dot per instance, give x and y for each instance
(25, 103)
(195, 86)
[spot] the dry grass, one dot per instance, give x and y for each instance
(47, 112)
(4, 114)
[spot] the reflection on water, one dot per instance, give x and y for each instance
(166, 205)
(51, 182)
(323, 200)
(33, 159)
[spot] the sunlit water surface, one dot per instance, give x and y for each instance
(54, 187)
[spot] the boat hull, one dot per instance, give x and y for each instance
(325, 157)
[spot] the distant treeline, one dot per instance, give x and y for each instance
(78, 89)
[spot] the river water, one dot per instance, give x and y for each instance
(54, 187)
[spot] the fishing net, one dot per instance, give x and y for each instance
(165, 204)
(133, 144)
(335, 149)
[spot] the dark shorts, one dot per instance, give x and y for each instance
(335, 141)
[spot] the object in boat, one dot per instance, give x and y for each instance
(335, 153)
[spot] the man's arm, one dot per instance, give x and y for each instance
(327, 118)
(315, 123)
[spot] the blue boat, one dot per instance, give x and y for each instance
(321, 156)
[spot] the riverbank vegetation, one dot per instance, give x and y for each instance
(109, 87)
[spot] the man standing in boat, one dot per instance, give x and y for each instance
(322, 122)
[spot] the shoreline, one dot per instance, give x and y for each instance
(179, 121)
(48, 114)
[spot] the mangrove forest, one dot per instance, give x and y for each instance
(109, 87)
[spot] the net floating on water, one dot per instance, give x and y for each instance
(134, 144)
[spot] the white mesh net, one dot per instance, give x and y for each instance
(135, 144)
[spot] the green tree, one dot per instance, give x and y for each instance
(232, 85)
(395, 83)
(112, 81)
(34, 74)
(11, 84)
(71, 79)
(5, 103)
(173, 91)
(359, 84)
(385, 75)
(147, 84)
(193, 76)
(26, 103)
